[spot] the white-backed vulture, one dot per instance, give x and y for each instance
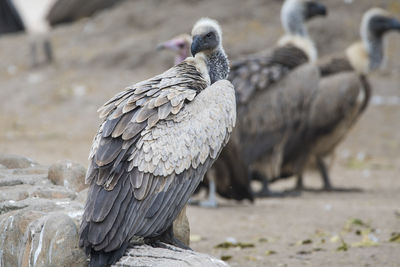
(157, 140)
(270, 105)
(344, 91)
(273, 96)
(228, 176)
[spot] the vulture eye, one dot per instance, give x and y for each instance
(181, 45)
(209, 35)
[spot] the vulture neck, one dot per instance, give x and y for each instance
(296, 34)
(217, 64)
(293, 22)
(374, 46)
(366, 56)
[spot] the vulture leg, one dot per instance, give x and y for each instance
(168, 238)
(324, 173)
(48, 51)
(211, 202)
(264, 192)
(34, 54)
(299, 183)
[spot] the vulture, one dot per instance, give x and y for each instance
(344, 91)
(10, 20)
(36, 17)
(229, 175)
(272, 99)
(274, 92)
(157, 140)
(30, 16)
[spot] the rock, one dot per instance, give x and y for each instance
(17, 192)
(181, 227)
(68, 174)
(40, 213)
(82, 196)
(10, 205)
(169, 256)
(14, 161)
(33, 238)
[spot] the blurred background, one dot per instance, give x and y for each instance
(48, 113)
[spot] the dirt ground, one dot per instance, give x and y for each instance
(49, 113)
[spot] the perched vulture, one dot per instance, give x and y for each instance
(344, 90)
(157, 140)
(228, 176)
(273, 93)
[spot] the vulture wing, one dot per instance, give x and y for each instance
(157, 140)
(338, 103)
(334, 65)
(274, 114)
(259, 71)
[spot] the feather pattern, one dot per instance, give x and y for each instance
(148, 163)
(259, 71)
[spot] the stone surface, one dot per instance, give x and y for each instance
(40, 213)
(34, 238)
(11, 161)
(168, 256)
(68, 174)
(181, 227)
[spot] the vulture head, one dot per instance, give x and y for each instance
(375, 23)
(295, 13)
(207, 45)
(206, 36)
(180, 45)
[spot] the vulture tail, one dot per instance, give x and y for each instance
(104, 259)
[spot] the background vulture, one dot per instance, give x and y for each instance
(344, 91)
(272, 99)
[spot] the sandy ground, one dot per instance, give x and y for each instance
(49, 114)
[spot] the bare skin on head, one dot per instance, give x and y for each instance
(180, 45)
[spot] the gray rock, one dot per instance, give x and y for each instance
(181, 227)
(10, 205)
(11, 161)
(68, 174)
(168, 256)
(37, 169)
(17, 192)
(41, 210)
(82, 196)
(34, 238)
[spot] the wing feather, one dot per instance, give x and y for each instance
(259, 71)
(141, 170)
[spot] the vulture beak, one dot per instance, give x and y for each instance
(196, 45)
(395, 24)
(314, 9)
(167, 45)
